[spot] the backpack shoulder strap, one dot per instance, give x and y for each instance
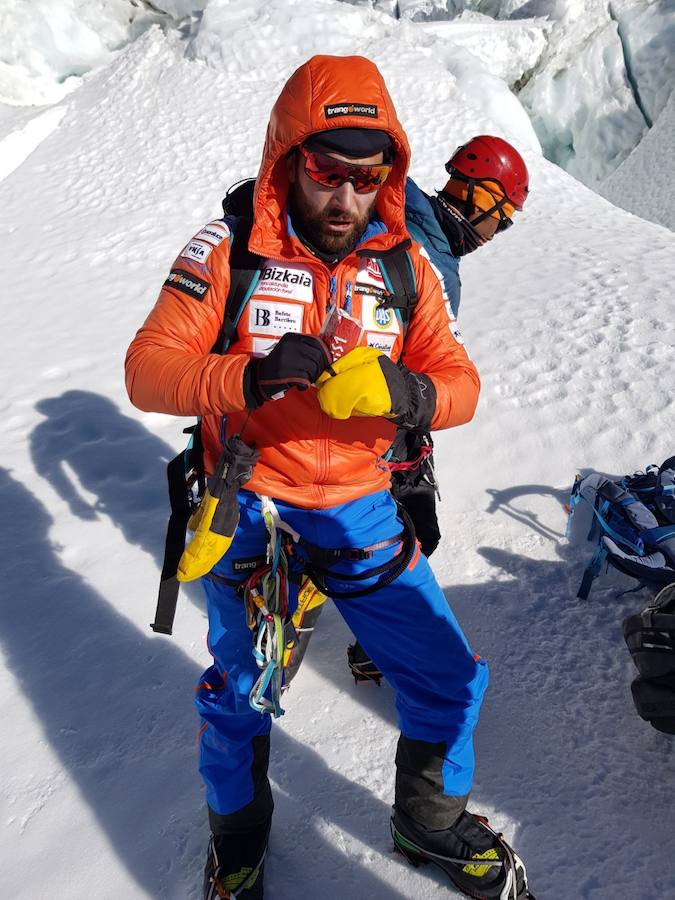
(399, 279)
(238, 201)
(244, 274)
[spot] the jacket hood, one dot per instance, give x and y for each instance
(325, 92)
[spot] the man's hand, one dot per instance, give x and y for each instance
(367, 383)
(296, 360)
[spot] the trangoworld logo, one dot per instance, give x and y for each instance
(187, 283)
(350, 109)
(288, 276)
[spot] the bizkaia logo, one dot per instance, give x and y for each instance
(350, 109)
(187, 283)
(287, 276)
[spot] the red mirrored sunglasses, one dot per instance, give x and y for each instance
(332, 173)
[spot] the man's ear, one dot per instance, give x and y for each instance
(292, 165)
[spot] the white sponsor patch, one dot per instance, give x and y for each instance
(197, 250)
(369, 272)
(383, 342)
(375, 318)
(267, 317)
(262, 346)
(292, 282)
(215, 233)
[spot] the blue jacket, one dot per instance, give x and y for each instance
(424, 227)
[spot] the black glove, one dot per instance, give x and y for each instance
(413, 395)
(296, 360)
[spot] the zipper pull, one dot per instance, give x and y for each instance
(348, 298)
(332, 294)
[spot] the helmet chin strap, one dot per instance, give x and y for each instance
(498, 206)
(504, 221)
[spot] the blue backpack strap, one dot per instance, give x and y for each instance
(592, 572)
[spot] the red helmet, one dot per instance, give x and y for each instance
(489, 158)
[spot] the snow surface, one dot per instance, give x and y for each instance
(569, 319)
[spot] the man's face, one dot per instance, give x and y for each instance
(487, 228)
(333, 219)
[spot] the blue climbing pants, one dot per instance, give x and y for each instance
(406, 627)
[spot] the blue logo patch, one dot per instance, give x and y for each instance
(382, 317)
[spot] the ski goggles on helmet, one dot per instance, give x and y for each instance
(483, 199)
(333, 173)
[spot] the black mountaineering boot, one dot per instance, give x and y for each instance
(235, 864)
(477, 859)
(361, 665)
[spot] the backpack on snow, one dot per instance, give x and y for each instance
(633, 524)
(185, 473)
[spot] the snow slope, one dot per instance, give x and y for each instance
(568, 319)
(643, 183)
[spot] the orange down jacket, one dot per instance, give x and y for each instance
(307, 458)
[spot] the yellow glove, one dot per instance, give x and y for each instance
(359, 386)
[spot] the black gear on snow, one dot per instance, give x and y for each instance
(476, 858)
(235, 865)
(361, 665)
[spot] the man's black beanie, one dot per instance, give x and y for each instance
(356, 142)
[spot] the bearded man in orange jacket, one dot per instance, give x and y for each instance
(329, 203)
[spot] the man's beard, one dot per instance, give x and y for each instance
(313, 227)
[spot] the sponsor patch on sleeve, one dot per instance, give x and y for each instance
(215, 233)
(187, 283)
(197, 250)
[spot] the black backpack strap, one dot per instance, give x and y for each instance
(238, 201)
(664, 498)
(399, 279)
(182, 472)
(244, 274)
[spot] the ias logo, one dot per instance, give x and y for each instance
(383, 317)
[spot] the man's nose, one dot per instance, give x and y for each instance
(343, 196)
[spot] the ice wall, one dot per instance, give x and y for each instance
(599, 85)
(47, 45)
